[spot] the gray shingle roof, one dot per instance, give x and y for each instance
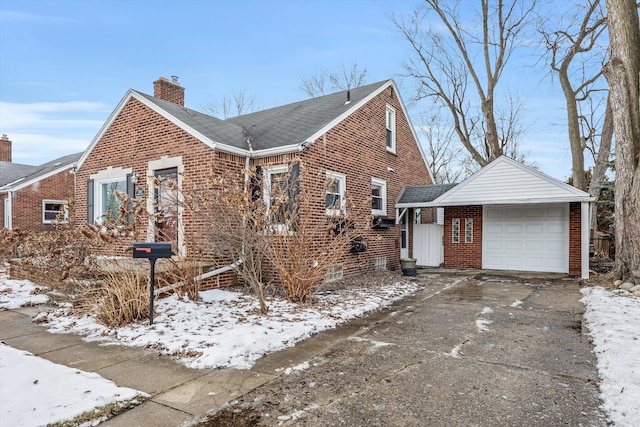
(213, 128)
(424, 193)
(289, 124)
(293, 124)
(10, 173)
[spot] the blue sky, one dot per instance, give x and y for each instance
(65, 64)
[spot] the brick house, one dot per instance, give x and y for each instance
(361, 138)
(32, 196)
(508, 216)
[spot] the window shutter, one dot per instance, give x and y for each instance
(294, 192)
(90, 204)
(130, 193)
(294, 178)
(256, 184)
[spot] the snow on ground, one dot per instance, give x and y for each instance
(18, 293)
(613, 319)
(225, 330)
(37, 392)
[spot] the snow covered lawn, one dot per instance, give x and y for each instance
(37, 392)
(613, 319)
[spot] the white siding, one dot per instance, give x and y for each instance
(506, 181)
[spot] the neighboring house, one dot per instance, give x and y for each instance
(360, 139)
(33, 196)
(508, 216)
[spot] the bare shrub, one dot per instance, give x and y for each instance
(121, 298)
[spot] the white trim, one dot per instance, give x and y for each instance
(455, 222)
(383, 184)
(165, 162)
(390, 124)
(585, 238)
(266, 193)
(8, 214)
(110, 174)
(63, 204)
(342, 189)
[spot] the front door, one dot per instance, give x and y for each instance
(166, 206)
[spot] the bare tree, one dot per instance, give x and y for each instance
(445, 162)
(236, 103)
(323, 82)
(445, 67)
(576, 58)
(623, 74)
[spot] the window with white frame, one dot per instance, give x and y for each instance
(108, 200)
(391, 129)
(275, 193)
(335, 193)
(468, 230)
(51, 209)
(378, 197)
(455, 230)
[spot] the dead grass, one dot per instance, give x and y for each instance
(121, 298)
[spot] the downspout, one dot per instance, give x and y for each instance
(8, 213)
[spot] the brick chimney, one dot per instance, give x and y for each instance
(169, 90)
(5, 149)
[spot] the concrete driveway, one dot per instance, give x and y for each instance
(468, 350)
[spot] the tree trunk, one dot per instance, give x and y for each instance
(575, 139)
(623, 74)
(601, 162)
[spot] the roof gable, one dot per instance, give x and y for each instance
(505, 181)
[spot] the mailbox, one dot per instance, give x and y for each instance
(152, 251)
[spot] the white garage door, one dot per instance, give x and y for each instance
(526, 238)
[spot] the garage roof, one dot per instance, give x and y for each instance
(503, 181)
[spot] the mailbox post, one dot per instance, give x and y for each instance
(152, 251)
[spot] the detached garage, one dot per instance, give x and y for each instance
(508, 216)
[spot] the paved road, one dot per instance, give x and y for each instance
(466, 351)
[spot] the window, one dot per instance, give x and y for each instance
(378, 197)
(335, 198)
(468, 230)
(51, 209)
(109, 203)
(391, 129)
(335, 272)
(380, 263)
(280, 191)
(455, 230)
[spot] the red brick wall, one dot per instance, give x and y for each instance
(575, 239)
(355, 147)
(26, 203)
(5, 149)
(463, 255)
